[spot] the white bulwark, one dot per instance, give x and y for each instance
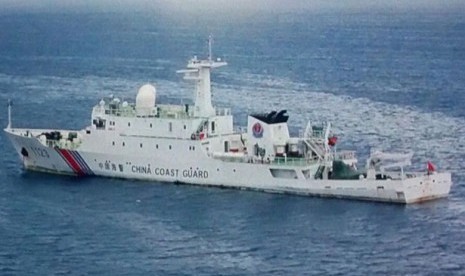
(197, 144)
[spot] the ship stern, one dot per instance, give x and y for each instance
(427, 187)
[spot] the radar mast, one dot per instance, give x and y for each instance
(9, 114)
(199, 71)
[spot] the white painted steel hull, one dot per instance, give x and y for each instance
(198, 168)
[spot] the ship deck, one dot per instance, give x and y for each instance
(241, 157)
(163, 111)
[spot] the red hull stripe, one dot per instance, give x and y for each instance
(70, 161)
(59, 152)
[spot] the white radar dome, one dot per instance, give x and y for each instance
(145, 100)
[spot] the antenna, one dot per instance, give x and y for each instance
(199, 71)
(9, 114)
(210, 40)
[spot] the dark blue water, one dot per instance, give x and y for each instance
(393, 81)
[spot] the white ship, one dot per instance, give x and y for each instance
(198, 144)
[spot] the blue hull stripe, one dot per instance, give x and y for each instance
(81, 162)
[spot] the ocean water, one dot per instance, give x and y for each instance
(388, 81)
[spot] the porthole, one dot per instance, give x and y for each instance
(129, 124)
(113, 143)
(141, 145)
(124, 144)
(170, 147)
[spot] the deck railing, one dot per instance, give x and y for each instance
(292, 161)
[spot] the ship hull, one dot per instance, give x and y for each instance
(197, 168)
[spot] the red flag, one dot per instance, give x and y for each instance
(332, 141)
(430, 167)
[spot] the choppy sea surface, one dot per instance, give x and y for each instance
(387, 81)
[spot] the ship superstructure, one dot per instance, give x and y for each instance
(199, 144)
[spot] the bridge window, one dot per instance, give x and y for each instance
(99, 123)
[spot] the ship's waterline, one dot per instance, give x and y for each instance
(198, 144)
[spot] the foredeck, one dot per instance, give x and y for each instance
(53, 138)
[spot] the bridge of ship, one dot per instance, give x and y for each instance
(163, 111)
